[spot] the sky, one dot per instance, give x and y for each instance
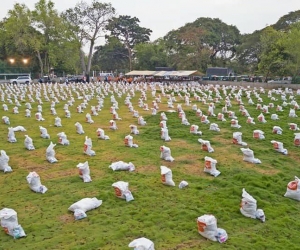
(162, 16)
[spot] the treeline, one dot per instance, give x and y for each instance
(50, 40)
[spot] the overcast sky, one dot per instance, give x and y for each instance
(161, 16)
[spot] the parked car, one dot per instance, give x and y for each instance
(77, 78)
(21, 80)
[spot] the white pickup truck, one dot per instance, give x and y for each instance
(21, 80)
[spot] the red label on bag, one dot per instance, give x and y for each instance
(201, 226)
(208, 164)
(204, 147)
(234, 141)
(118, 192)
(126, 141)
(297, 142)
(276, 145)
(256, 135)
(163, 178)
(85, 147)
(293, 185)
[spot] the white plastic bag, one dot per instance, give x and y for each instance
(278, 146)
(62, 139)
(142, 244)
(85, 204)
(50, 153)
(44, 133)
(133, 129)
(293, 189)
(194, 130)
(206, 145)
(128, 141)
(84, 171)
(28, 142)
(207, 226)
(101, 134)
(210, 166)
(121, 165)
(113, 125)
(35, 184)
(87, 147)
(5, 120)
(9, 222)
(122, 191)
(165, 154)
(258, 134)
(237, 139)
(57, 122)
(11, 135)
(166, 176)
(164, 134)
(249, 156)
(183, 184)
(4, 159)
(79, 128)
(248, 207)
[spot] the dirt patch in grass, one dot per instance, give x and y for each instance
(187, 245)
(61, 174)
(147, 169)
(190, 164)
(66, 218)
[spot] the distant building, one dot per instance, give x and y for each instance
(218, 71)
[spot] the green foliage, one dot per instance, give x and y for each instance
(111, 56)
(150, 55)
(128, 31)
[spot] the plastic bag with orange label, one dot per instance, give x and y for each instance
(210, 166)
(248, 207)
(207, 227)
(122, 191)
(166, 176)
(9, 222)
(293, 189)
(84, 171)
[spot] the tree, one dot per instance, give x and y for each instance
(248, 52)
(129, 33)
(111, 56)
(285, 22)
(88, 24)
(292, 45)
(221, 38)
(186, 49)
(151, 55)
(273, 57)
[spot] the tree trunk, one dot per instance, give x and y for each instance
(130, 58)
(89, 63)
(82, 62)
(38, 55)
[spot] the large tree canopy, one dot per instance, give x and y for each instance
(89, 21)
(129, 33)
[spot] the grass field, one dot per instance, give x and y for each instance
(166, 215)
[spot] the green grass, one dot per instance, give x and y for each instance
(165, 215)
